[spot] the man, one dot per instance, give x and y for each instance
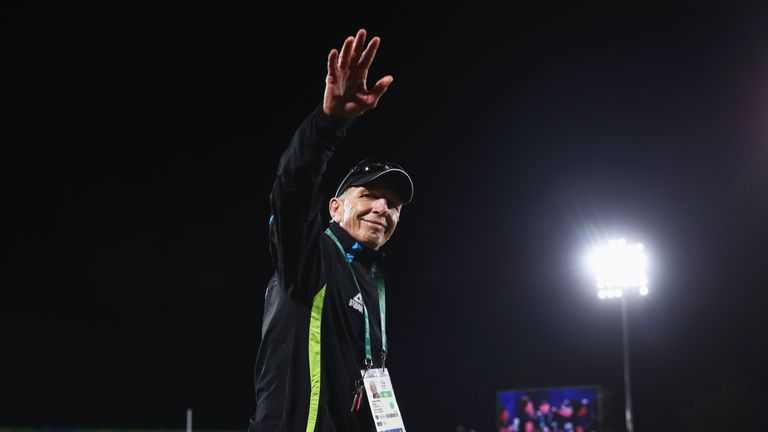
(374, 391)
(545, 415)
(324, 307)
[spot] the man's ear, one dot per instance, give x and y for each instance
(334, 208)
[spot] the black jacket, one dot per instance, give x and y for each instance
(313, 335)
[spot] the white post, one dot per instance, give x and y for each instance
(189, 419)
(627, 391)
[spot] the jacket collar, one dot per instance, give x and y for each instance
(354, 250)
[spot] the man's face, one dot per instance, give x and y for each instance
(368, 213)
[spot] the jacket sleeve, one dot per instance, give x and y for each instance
(296, 221)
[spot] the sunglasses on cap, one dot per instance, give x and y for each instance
(371, 166)
(367, 167)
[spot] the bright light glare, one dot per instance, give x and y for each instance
(619, 265)
(611, 293)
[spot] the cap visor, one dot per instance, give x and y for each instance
(397, 179)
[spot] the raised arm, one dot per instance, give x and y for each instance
(297, 208)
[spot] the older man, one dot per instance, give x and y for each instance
(324, 313)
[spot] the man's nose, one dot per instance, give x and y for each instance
(380, 206)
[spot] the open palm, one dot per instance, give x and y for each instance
(346, 91)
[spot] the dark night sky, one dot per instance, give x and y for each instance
(142, 143)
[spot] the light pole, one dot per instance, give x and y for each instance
(620, 269)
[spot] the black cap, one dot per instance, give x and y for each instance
(369, 170)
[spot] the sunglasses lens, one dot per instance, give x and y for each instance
(370, 166)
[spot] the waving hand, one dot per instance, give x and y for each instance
(346, 90)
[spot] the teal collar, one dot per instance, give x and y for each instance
(353, 249)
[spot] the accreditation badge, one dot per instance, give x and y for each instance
(381, 399)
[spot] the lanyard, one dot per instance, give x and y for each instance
(382, 304)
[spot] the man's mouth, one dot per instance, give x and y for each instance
(375, 223)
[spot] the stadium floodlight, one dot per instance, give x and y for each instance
(620, 268)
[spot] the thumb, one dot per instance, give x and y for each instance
(381, 86)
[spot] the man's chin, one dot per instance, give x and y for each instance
(373, 240)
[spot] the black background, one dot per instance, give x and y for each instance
(141, 141)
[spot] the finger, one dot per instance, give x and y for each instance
(358, 45)
(381, 86)
(370, 53)
(333, 57)
(346, 51)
